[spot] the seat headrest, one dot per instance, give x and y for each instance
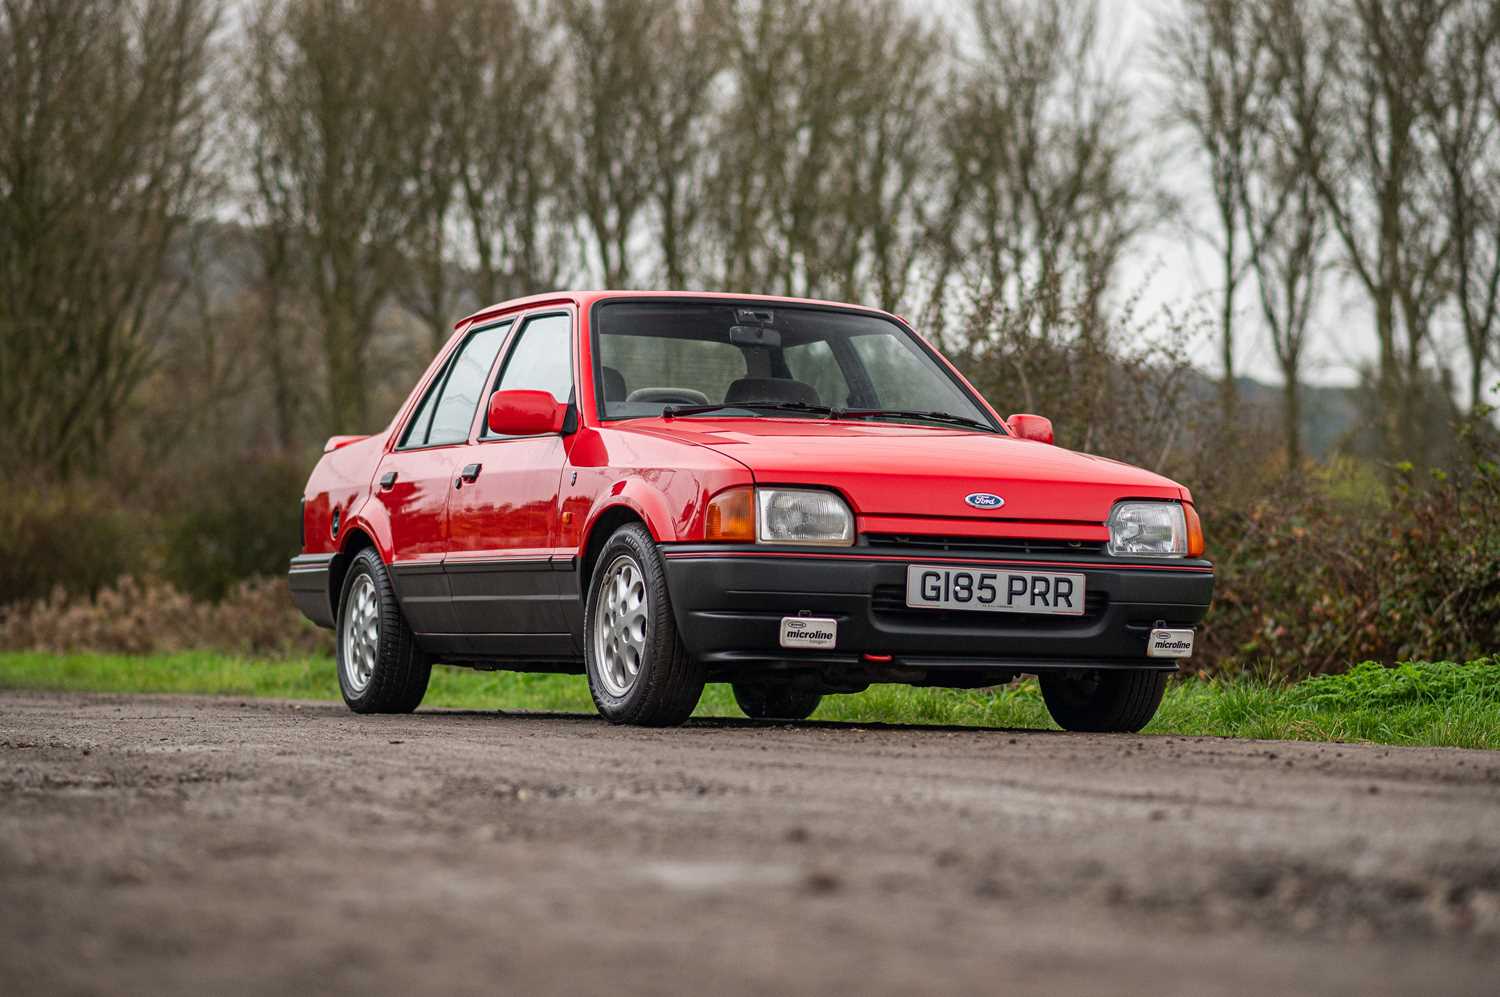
(771, 389)
(615, 389)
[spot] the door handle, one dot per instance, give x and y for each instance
(470, 472)
(387, 481)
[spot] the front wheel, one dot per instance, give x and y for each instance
(639, 671)
(1103, 701)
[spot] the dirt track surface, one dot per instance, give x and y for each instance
(183, 845)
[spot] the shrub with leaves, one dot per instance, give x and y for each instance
(1340, 565)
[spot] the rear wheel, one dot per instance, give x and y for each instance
(1106, 701)
(775, 700)
(380, 668)
(639, 671)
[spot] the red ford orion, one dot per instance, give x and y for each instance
(797, 497)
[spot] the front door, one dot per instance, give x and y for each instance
(414, 480)
(503, 510)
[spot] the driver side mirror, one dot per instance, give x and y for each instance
(1031, 427)
(525, 413)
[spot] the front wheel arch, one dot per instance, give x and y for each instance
(599, 532)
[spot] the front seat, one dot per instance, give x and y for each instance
(615, 389)
(771, 390)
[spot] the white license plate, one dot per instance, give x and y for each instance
(930, 586)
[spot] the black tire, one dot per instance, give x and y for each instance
(775, 700)
(1103, 701)
(669, 682)
(397, 678)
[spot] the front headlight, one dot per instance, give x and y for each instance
(803, 516)
(1148, 529)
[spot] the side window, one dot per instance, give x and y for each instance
(447, 412)
(416, 430)
(540, 360)
(814, 363)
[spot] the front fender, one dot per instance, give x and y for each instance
(664, 482)
(646, 503)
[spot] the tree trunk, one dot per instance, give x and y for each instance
(346, 377)
(1291, 415)
(1228, 390)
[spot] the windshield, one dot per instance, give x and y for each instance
(692, 358)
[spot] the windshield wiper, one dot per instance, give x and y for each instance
(675, 410)
(671, 411)
(901, 413)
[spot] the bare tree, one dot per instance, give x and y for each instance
(1463, 111)
(1215, 61)
(275, 283)
(895, 158)
(325, 110)
(758, 123)
(1284, 216)
(611, 63)
(681, 89)
(872, 191)
(1375, 174)
(103, 160)
(1040, 188)
(509, 142)
(430, 108)
(824, 147)
(276, 270)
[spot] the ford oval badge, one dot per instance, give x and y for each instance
(984, 500)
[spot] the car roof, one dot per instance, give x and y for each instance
(583, 299)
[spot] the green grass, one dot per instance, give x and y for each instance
(1443, 704)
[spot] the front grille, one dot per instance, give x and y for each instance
(981, 545)
(888, 602)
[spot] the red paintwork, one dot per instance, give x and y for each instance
(542, 495)
(1031, 427)
(335, 442)
(525, 413)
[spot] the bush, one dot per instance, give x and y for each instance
(1335, 566)
(255, 617)
(76, 538)
(238, 521)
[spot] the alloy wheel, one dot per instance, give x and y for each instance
(620, 614)
(361, 634)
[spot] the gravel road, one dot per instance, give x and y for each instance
(187, 845)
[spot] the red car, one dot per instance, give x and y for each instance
(797, 497)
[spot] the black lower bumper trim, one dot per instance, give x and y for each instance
(729, 611)
(307, 578)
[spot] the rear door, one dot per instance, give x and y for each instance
(416, 476)
(503, 524)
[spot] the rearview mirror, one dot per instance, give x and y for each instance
(754, 335)
(525, 413)
(1031, 427)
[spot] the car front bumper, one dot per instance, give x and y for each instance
(729, 603)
